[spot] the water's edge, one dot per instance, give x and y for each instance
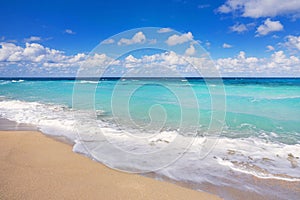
(225, 192)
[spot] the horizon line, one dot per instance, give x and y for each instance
(152, 77)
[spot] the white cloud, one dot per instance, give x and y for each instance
(7, 50)
(293, 42)
(97, 62)
(69, 31)
(163, 64)
(190, 51)
(239, 28)
(269, 26)
(277, 65)
(225, 8)
(164, 30)
(32, 39)
(179, 39)
(108, 41)
(77, 58)
(226, 46)
(36, 57)
(35, 54)
(270, 48)
(131, 61)
(280, 61)
(261, 8)
(207, 44)
(139, 37)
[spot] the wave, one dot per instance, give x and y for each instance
(263, 159)
(251, 156)
(89, 82)
(17, 81)
(283, 97)
(4, 82)
(260, 98)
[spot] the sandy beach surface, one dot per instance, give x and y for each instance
(34, 166)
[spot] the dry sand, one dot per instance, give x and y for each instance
(34, 166)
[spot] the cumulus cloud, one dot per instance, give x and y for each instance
(97, 63)
(179, 39)
(280, 61)
(131, 61)
(293, 42)
(239, 28)
(139, 37)
(7, 50)
(36, 54)
(270, 48)
(108, 41)
(277, 65)
(69, 31)
(190, 51)
(165, 64)
(226, 46)
(35, 58)
(269, 26)
(238, 63)
(261, 8)
(229, 64)
(164, 30)
(32, 39)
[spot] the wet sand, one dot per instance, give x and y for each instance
(34, 166)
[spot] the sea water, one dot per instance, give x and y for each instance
(259, 134)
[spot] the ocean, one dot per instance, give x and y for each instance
(242, 133)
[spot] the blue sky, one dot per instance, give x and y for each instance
(267, 33)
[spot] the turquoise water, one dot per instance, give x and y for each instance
(261, 122)
(253, 106)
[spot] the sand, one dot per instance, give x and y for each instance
(34, 166)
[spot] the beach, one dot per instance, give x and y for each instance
(34, 166)
(150, 100)
(66, 148)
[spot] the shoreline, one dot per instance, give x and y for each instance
(35, 166)
(214, 189)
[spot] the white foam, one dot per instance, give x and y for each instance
(266, 155)
(17, 81)
(51, 119)
(4, 82)
(89, 82)
(252, 156)
(257, 173)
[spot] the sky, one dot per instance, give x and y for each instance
(242, 37)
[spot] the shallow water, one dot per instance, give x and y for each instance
(260, 134)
